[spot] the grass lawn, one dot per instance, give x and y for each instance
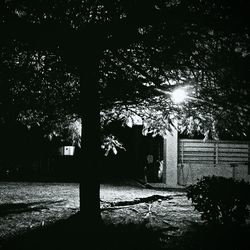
(44, 216)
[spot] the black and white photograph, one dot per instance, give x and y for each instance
(124, 124)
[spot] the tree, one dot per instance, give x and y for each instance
(125, 51)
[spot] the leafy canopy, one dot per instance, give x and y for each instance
(145, 50)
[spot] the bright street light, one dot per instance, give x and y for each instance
(179, 95)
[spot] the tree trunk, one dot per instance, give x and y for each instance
(90, 145)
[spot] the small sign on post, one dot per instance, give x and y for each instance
(67, 150)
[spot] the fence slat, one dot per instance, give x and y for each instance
(230, 154)
(229, 150)
(227, 145)
(203, 145)
(234, 159)
(199, 159)
(199, 149)
(198, 154)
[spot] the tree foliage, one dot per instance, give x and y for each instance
(220, 200)
(36, 88)
(144, 47)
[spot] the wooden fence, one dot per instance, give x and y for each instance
(213, 152)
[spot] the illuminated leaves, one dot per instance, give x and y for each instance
(111, 143)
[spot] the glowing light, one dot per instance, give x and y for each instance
(179, 95)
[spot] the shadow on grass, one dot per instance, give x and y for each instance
(71, 234)
(206, 237)
(16, 208)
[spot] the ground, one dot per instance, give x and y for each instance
(27, 206)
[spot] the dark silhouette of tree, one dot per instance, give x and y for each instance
(126, 53)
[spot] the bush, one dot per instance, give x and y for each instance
(220, 200)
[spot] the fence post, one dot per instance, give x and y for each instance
(217, 154)
(248, 162)
(182, 152)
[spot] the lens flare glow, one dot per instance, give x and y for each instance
(179, 95)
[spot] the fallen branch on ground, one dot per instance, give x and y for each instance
(124, 204)
(114, 208)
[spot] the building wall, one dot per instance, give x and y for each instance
(170, 159)
(189, 173)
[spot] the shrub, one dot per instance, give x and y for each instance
(220, 200)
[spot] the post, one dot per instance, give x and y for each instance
(170, 158)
